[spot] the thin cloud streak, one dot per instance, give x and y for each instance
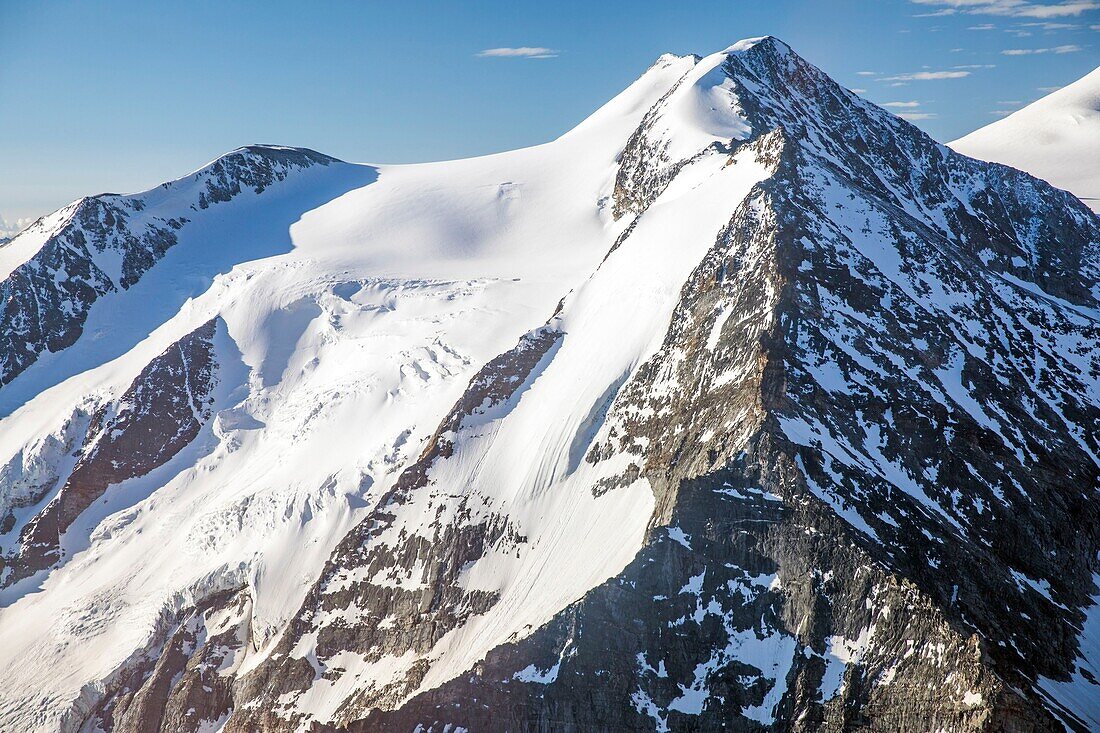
(1069, 48)
(521, 52)
(1014, 8)
(926, 76)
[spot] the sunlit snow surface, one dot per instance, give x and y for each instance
(1056, 138)
(349, 326)
(354, 304)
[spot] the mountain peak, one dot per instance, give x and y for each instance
(282, 152)
(743, 405)
(748, 44)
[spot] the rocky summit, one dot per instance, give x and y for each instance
(744, 405)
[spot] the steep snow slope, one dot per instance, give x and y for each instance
(844, 523)
(517, 468)
(1056, 138)
(742, 404)
(350, 317)
(92, 257)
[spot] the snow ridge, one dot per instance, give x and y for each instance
(1053, 138)
(743, 402)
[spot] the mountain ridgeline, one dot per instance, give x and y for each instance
(793, 427)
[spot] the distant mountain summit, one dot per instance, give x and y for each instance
(1056, 138)
(744, 405)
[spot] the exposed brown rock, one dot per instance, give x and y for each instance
(160, 413)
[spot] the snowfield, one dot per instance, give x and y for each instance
(350, 321)
(743, 400)
(1054, 139)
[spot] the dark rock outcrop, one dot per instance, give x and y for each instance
(871, 441)
(107, 243)
(185, 684)
(848, 532)
(159, 414)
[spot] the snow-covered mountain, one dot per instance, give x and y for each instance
(743, 405)
(1054, 138)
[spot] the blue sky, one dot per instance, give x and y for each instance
(119, 96)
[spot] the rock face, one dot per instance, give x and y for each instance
(846, 480)
(159, 415)
(370, 574)
(860, 520)
(107, 243)
(188, 683)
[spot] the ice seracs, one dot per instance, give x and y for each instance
(349, 296)
(742, 403)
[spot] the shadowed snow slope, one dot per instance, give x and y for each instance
(1056, 138)
(742, 404)
(357, 302)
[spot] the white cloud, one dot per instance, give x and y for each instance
(858, 91)
(982, 27)
(1069, 48)
(523, 52)
(1051, 26)
(866, 73)
(1048, 90)
(1060, 10)
(1015, 8)
(976, 66)
(916, 115)
(900, 105)
(926, 76)
(10, 229)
